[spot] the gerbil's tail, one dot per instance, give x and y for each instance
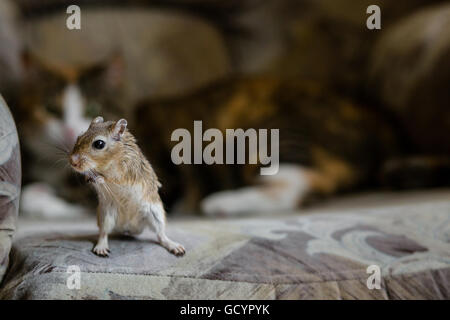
(417, 172)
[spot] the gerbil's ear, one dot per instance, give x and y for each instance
(97, 120)
(119, 129)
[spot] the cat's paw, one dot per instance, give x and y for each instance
(101, 250)
(39, 200)
(283, 191)
(225, 203)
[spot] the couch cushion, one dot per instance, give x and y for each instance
(321, 255)
(10, 177)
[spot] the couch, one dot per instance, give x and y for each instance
(10, 178)
(325, 252)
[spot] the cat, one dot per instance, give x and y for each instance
(327, 144)
(55, 104)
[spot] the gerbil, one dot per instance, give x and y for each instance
(127, 186)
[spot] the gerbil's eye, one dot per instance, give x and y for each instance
(99, 144)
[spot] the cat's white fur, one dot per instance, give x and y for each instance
(73, 111)
(39, 199)
(280, 192)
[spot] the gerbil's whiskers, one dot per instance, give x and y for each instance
(62, 150)
(59, 161)
(61, 144)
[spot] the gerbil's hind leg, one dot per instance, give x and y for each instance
(156, 220)
(101, 248)
(106, 223)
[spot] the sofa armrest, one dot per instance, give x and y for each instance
(10, 179)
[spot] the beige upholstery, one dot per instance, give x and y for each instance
(10, 177)
(321, 254)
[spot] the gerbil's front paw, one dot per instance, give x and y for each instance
(100, 180)
(97, 179)
(176, 248)
(101, 250)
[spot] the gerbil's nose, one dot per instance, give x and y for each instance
(75, 159)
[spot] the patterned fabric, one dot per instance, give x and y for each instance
(10, 177)
(323, 255)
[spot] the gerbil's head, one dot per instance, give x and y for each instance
(101, 144)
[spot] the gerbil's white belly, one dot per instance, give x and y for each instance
(129, 216)
(129, 221)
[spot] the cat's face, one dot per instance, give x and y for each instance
(58, 103)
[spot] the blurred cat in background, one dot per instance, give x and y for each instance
(56, 104)
(327, 144)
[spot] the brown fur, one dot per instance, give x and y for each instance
(125, 182)
(122, 163)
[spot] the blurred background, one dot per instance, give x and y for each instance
(129, 51)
